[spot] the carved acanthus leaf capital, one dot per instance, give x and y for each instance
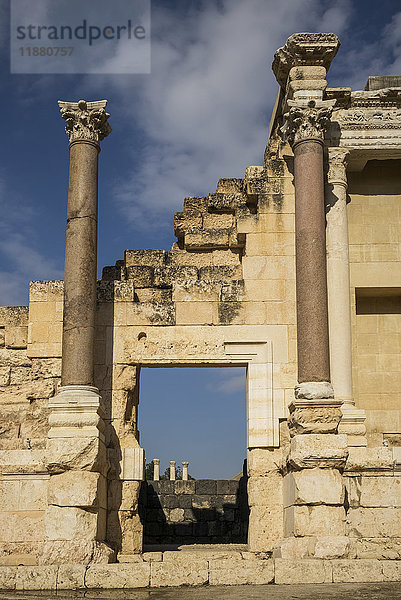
(338, 160)
(86, 120)
(307, 120)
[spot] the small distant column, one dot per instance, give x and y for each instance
(172, 470)
(156, 469)
(185, 470)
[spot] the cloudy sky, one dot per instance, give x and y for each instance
(202, 113)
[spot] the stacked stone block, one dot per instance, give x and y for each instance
(265, 498)
(26, 384)
(373, 501)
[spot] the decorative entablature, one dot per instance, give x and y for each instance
(368, 123)
(365, 109)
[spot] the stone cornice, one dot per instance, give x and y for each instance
(307, 120)
(85, 121)
(316, 49)
(385, 98)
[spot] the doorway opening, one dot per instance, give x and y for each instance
(195, 415)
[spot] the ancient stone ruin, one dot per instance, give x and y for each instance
(294, 273)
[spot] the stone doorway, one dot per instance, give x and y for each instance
(197, 414)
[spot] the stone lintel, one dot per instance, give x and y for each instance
(309, 49)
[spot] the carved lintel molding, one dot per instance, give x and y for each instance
(317, 49)
(85, 121)
(307, 120)
(338, 160)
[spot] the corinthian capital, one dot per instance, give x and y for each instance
(85, 120)
(307, 120)
(337, 173)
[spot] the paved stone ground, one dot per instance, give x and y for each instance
(343, 591)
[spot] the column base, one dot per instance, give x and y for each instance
(76, 435)
(76, 411)
(75, 518)
(314, 409)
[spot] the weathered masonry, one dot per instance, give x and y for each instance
(294, 273)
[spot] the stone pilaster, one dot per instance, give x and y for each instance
(75, 520)
(338, 286)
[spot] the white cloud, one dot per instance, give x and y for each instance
(228, 383)
(21, 261)
(205, 108)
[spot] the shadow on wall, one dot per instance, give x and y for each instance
(202, 511)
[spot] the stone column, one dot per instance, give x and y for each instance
(86, 126)
(305, 126)
(339, 304)
(314, 515)
(313, 489)
(156, 469)
(172, 470)
(185, 470)
(75, 520)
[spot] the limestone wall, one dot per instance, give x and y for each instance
(232, 268)
(375, 236)
(373, 502)
(23, 501)
(223, 295)
(26, 384)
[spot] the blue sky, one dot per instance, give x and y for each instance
(201, 114)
